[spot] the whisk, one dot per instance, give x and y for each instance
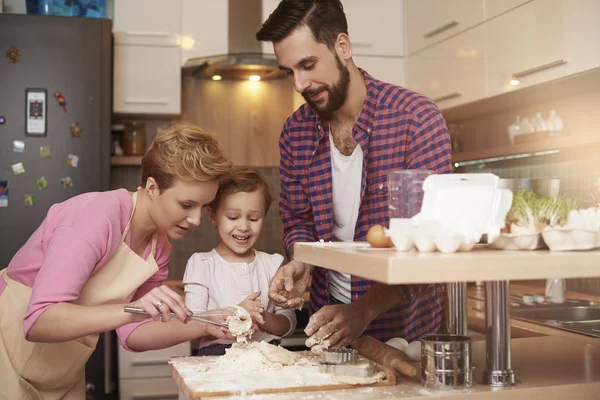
(200, 316)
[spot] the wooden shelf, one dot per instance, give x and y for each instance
(480, 264)
(559, 143)
(131, 161)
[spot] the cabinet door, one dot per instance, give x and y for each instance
(147, 21)
(147, 79)
(152, 363)
(205, 28)
(451, 72)
(582, 31)
(493, 8)
(148, 389)
(268, 6)
(430, 21)
(526, 46)
(387, 69)
(376, 27)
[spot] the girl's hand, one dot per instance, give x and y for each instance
(162, 300)
(254, 306)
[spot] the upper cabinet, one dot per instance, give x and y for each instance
(205, 28)
(387, 69)
(526, 46)
(493, 8)
(268, 6)
(147, 56)
(430, 21)
(376, 28)
(581, 34)
(451, 72)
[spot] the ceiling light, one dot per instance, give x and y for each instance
(254, 78)
(216, 77)
(514, 82)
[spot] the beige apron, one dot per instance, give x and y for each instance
(57, 370)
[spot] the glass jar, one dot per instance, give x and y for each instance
(134, 139)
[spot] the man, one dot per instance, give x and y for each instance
(335, 153)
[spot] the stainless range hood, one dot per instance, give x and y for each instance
(244, 57)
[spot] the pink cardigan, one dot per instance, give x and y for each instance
(75, 239)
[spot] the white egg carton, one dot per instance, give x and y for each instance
(426, 237)
(581, 232)
(518, 241)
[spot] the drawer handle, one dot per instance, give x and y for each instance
(146, 101)
(441, 29)
(447, 97)
(142, 33)
(149, 362)
(539, 68)
(362, 44)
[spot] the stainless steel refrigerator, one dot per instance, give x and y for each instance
(55, 112)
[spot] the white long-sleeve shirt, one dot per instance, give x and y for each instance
(212, 282)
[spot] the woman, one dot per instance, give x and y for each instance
(96, 253)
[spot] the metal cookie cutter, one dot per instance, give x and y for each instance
(345, 362)
(338, 356)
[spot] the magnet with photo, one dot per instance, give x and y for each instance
(29, 200)
(42, 183)
(72, 160)
(66, 182)
(18, 169)
(18, 146)
(3, 193)
(45, 152)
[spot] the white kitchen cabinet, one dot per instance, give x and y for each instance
(526, 46)
(376, 27)
(493, 8)
(268, 6)
(581, 35)
(387, 69)
(146, 375)
(147, 79)
(430, 21)
(150, 22)
(452, 72)
(205, 28)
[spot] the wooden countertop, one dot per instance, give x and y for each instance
(480, 264)
(549, 368)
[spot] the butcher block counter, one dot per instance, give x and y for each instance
(549, 368)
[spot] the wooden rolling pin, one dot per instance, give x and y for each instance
(384, 354)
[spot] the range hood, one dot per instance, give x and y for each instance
(244, 57)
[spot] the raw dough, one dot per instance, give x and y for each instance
(277, 354)
(360, 380)
(240, 324)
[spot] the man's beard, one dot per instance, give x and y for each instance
(337, 93)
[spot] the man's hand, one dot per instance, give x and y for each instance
(340, 324)
(289, 283)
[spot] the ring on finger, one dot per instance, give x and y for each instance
(157, 305)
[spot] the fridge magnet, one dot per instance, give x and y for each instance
(42, 183)
(29, 200)
(13, 54)
(18, 168)
(61, 100)
(2, 120)
(18, 146)
(76, 129)
(3, 193)
(46, 152)
(72, 160)
(66, 182)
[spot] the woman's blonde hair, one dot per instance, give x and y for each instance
(185, 152)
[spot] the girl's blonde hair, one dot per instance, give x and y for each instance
(185, 152)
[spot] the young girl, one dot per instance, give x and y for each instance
(233, 272)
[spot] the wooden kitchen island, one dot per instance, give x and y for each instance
(545, 367)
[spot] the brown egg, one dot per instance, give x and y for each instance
(376, 237)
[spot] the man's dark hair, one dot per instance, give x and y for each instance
(325, 18)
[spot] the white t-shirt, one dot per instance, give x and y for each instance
(211, 282)
(346, 176)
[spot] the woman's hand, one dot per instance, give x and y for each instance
(162, 300)
(254, 306)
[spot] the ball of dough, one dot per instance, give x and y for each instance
(398, 343)
(413, 351)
